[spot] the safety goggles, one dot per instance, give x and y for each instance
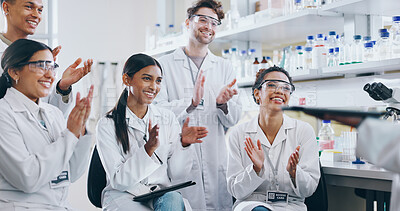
(41, 66)
(274, 85)
(204, 20)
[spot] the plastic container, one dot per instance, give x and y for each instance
(307, 58)
(368, 52)
(319, 53)
(357, 49)
(395, 35)
(326, 135)
(384, 46)
(300, 60)
(331, 58)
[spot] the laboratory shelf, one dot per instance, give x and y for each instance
(372, 7)
(361, 68)
(305, 75)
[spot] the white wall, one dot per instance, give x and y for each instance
(105, 30)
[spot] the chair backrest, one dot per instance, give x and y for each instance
(96, 179)
(319, 200)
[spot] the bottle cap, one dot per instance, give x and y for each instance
(368, 45)
(252, 50)
(299, 47)
(367, 38)
(331, 50)
(233, 49)
(308, 49)
(297, 1)
(171, 25)
(268, 58)
(157, 24)
(332, 33)
(357, 37)
(243, 52)
(326, 121)
(383, 30)
(310, 37)
(337, 49)
(385, 34)
(320, 35)
(226, 51)
(396, 18)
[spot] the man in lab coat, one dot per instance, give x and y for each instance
(379, 142)
(23, 16)
(198, 84)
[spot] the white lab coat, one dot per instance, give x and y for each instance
(32, 158)
(379, 142)
(53, 98)
(209, 167)
(136, 171)
(250, 189)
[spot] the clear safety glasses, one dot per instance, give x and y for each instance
(273, 85)
(204, 20)
(41, 66)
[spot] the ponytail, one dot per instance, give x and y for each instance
(118, 114)
(5, 83)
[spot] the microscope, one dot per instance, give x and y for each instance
(391, 97)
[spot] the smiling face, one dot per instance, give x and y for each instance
(23, 16)
(202, 33)
(33, 82)
(144, 85)
(272, 98)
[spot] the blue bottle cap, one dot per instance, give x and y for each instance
(252, 50)
(308, 49)
(367, 38)
(337, 49)
(368, 45)
(157, 24)
(396, 18)
(332, 33)
(226, 51)
(233, 49)
(320, 35)
(243, 51)
(383, 30)
(326, 121)
(310, 37)
(299, 47)
(331, 50)
(357, 37)
(373, 42)
(385, 34)
(268, 58)
(171, 25)
(297, 1)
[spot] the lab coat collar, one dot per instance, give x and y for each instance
(133, 121)
(179, 55)
(254, 128)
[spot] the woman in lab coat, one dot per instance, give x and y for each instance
(41, 154)
(139, 144)
(272, 159)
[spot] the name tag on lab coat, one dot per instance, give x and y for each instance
(277, 197)
(61, 180)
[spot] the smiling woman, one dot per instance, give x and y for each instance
(41, 153)
(275, 167)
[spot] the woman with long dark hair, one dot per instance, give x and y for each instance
(140, 144)
(41, 154)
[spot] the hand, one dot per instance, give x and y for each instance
(227, 93)
(256, 154)
(292, 163)
(77, 116)
(191, 135)
(153, 142)
(198, 91)
(56, 51)
(89, 98)
(72, 74)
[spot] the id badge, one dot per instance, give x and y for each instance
(61, 180)
(277, 197)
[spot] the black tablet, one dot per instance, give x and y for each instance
(319, 112)
(162, 191)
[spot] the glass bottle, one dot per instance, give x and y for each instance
(326, 135)
(357, 49)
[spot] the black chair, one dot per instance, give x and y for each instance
(319, 200)
(96, 179)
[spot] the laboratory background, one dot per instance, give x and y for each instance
(341, 54)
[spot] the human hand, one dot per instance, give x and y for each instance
(56, 51)
(153, 142)
(198, 91)
(227, 93)
(292, 163)
(88, 102)
(72, 74)
(77, 116)
(256, 154)
(191, 135)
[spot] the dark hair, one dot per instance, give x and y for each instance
(260, 78)
(133, 65)
(18, 52)
(212, 4)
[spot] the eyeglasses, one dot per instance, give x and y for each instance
(41, 66)
(273, 85)
(204, 20)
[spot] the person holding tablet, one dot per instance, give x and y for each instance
(273, 159)
(140, 145)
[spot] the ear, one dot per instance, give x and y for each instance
(187, 22)
(257, 95)
(5, 7)
(126, 79)
(13, 74)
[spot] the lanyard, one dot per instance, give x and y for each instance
(274, 168)
(190, 67)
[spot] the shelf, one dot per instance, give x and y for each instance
(369, 67)
(305, 75)
(373, 7)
